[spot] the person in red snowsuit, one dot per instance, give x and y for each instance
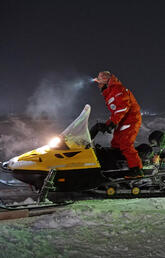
(125, 118)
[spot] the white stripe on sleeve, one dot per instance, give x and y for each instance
(120, 110)
(111, 100)
(124, 127)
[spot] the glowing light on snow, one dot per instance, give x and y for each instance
(54, 142)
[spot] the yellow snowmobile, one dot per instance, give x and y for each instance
(70, 154)
(77, 164)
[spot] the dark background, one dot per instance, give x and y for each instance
(57, 42)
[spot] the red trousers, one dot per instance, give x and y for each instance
(124, 140)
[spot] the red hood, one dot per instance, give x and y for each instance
(114, 80)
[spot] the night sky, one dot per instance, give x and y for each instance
(66, 40)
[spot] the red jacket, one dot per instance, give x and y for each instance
(122, 104)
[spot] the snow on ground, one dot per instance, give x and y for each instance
(91, 228)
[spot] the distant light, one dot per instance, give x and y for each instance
(54, 142)
(92, 79)
(147, 113)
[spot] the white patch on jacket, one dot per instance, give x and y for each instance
(124, 127)
(121, 110)
(111, 100)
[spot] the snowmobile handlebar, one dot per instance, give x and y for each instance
(99, 127)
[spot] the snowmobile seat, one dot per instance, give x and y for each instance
(111, 158)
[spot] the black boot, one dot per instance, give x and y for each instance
(135, 172)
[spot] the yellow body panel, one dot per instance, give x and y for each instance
(44, 159)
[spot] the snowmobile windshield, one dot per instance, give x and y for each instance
(77, 134)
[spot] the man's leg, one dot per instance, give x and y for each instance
(127, 138)
(124, 140)
(115, 140)
(131, 155)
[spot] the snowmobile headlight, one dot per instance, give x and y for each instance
(54, 142)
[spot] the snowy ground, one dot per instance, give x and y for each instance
(91, 228)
